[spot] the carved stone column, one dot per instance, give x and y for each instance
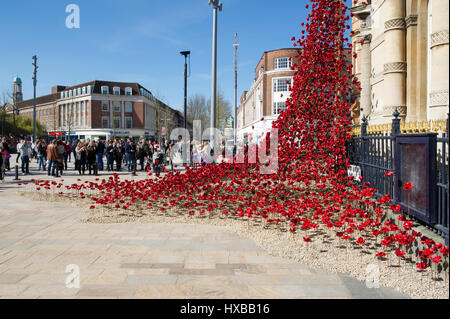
(439, 45)
(412, 67)
(366, 66)
(395, 56)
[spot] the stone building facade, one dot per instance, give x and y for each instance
(402, 60)
(266, 98)
(103, 109)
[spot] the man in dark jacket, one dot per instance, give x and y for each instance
(130, 151)
(110, 156)
(100, 151)
(92, 158)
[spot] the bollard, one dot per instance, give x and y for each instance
(17, 173)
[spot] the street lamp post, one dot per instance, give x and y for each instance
(235, 45)
(216, 5)
(185, 54)
(34, 96)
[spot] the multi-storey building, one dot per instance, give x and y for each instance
(103, 109)
(266, 98)
(402, 59)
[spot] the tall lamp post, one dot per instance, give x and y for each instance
(34, 96)
(185, 54)
(216, 6)
(235, 45)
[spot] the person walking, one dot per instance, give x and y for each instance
(118, 154)
(80, 157)
(92, 158)
(81, 152)
(60, 150)
(25, 152)
(130, 151)
(110, 156)
(42, 154)
(7, 152)
(2, 164)
(52, 158)
(67, 151)
(100, 152)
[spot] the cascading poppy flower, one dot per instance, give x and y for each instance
(408, 186)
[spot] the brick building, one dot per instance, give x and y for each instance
(103, 109)
(266, 98)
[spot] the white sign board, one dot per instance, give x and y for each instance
(354, 171)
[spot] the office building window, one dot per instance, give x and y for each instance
(128, 107)
(116, 107)
(105, 106)
(105, 90)
(128, 91)
(282, 63)
(281, 85)
(278, 107)
(105, 121)
(116, 90)
(128, 122)
(117, 122)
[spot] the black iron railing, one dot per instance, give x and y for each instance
(376, 154)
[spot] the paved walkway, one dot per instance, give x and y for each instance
(38, 240)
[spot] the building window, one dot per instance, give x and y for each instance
(128, 91)
(128, 107)
(282, 63)
(79, 91)
(117, 107)
(281, 85)
(117, 122)
(105, 90)
(278, 107)
(128, 122)
(105, 122)
(83, 90)
(62, 94)
(116, 90)
(105, 106)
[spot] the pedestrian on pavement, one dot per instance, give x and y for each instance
(130, 151)
(110, 156)
(100, 152)
(60, 150)
(25, 153)
(2, 164)
(92, 158)
(81, 157)
(52, 158)
(42, 154)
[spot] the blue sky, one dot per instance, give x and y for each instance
(140, 40)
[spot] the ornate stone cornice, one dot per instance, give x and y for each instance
(397, 23)
(389, 109)
(367, 37)
(439, 38)
(411, 20)
(394, 67)
(439, 98)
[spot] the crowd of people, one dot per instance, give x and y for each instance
(97, 155)
(88, 155)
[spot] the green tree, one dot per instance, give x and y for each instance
(23, 125)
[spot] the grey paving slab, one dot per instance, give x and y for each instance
(133, 260)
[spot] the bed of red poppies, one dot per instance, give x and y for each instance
(311, 188)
